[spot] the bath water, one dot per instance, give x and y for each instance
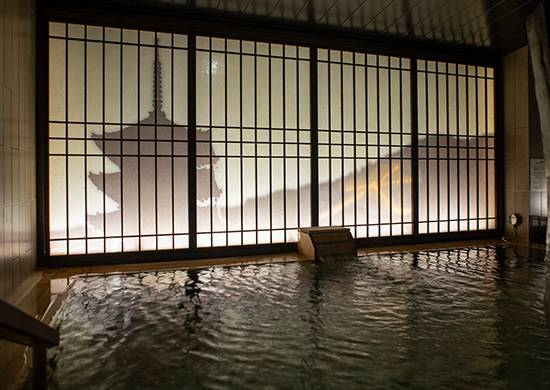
(469, 318)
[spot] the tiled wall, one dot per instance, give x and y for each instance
(17, 163)
(516, 139)
(17, 143)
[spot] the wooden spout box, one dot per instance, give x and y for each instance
(332, 241)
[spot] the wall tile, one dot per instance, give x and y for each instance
(20, 20)
(522, 56)
(3, 359)
(2, 114)
(34, 232)
(29, 109)
(2, 179)
(7, 148)
(516, 139)
(23, 65)
(29, 227)
(16, 175)
(3, 274)
(510, 207)
(6, 115)
(2, 49)
(15, 230)
(7, 250)
(23, 138)
(16, 272)
(510, 175)
(509, 128)
(6, 16)
(522, 163)
(8, 233)
(17, 138)
(509, 76)
(14, 134)
(522, 207)
(17, 161)
(522, 95)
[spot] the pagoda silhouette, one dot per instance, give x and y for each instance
(142, 183)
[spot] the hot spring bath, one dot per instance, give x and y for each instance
(467, 318)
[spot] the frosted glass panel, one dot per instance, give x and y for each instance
(118, 143)
(456, 148)
(58, 81)
(118, 140)
(75, 81)
(252, 99)
(365, 163)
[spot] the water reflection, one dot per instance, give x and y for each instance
(547, 291)
(191, 287)
(463, 318)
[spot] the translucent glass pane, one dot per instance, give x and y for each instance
(323, 93)
(57, 29)
(262, 92)
(304, 96)
(456, 173)
(57, 80)
(147, 196)
(248, 86)
(290, 94)
(76, 197)
(130, 202)
(118, 142)
(203, 88)
(276, 96)
(423, 190)
(233, 90)
(422, 103)
(94, 82)
(181, 224)
(114, 105)
(384, 191)
(383, 100)
(255, 145)
(112, 86)
(363, 98)
(130, 78)
(58, 197)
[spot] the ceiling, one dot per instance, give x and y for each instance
(493, 25)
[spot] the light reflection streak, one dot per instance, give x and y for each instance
(375, 187)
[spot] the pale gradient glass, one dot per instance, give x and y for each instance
(115, 186)
(102, 91)
(75, 81)
(458, 171)
(94, 89)
(57, 84)
(256, 104)
(355, 191)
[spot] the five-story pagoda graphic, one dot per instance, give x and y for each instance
(150, 185)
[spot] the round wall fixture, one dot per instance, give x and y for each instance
(514, 219)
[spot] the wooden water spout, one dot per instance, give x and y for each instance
(326, 242)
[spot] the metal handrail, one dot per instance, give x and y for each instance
(19, 327)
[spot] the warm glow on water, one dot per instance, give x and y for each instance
(468, 318)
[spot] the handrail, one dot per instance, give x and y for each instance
(19, 327)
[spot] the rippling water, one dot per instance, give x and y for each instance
(454, 319)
